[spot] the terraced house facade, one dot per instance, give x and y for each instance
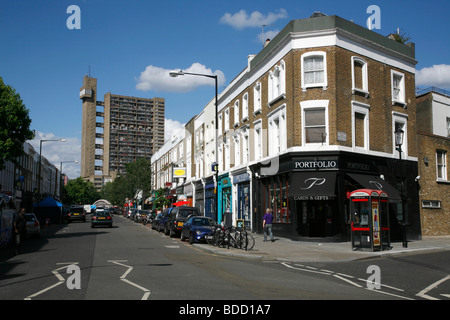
(311, 118)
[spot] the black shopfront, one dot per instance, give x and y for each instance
(308, 194)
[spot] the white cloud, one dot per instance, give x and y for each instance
(55, 152)
(241, 19)
(158, 79)
(436, 76)
(171, 128)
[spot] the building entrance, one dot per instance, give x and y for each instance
(315, 218)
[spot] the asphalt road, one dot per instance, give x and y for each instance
(132, 262)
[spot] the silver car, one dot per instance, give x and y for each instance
(32, 225)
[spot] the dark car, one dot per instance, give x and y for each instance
(155, 221)
(196, 229)
(178, 217)
(162, 221)
(77, 213)
(101, 218)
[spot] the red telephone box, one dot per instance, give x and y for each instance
(370, 220)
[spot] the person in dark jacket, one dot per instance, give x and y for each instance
(19, 229)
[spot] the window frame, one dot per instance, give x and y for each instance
(315, 105)
(441, 169)
(361, 108)
(402, 94)
(324, 83)
(364, 76)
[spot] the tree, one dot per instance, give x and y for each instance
(139, 176)
(14, 125)
(80, 191)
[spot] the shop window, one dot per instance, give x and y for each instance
(441, 165)
(277, 198)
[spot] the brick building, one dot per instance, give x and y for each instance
(311, 118)
(433, 140)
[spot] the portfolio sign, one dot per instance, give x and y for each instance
(315, 165)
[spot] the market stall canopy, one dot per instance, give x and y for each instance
(48, 202)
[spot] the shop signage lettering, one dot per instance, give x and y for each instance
(316, 164)
(313, 198)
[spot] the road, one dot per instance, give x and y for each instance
(132, 262)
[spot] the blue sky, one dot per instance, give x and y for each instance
(127, 44)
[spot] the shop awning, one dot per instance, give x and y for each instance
(376, 183)
(314, 186)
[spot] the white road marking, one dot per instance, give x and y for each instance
(60, 278)
(123, 278)
(423, 293)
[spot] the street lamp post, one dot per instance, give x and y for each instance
(175, 74)
(399, 134)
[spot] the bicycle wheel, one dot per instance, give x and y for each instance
(248, 241)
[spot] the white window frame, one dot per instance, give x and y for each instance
(237, 149)
(220, 117)
(403, 119)
(257, 98)
(277, 82)
(362, 108)
(245, 107)
(315, 104)
(364, 75)
(227, 120)
(277, 131)
(258, 140)
(401, 96)
(236, 113)
(441, 173)
(323, 84)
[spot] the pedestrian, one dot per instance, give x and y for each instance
(267, 225)
(19, 228)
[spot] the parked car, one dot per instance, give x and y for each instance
(101, 218)
(76, 213)
(197, 228)
(177, 217)
(162, 221)
(155, 221)
(32, 226)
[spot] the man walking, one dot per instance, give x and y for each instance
(267, 225)
(19, 228)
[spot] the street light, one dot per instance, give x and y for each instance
(175, 74)
(399, 134)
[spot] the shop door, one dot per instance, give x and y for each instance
(317, 220)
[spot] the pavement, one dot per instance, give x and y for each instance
(286, 250)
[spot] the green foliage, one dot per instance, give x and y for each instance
(160, 200)
(137, 178)
(80, 191)
(14, 124)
